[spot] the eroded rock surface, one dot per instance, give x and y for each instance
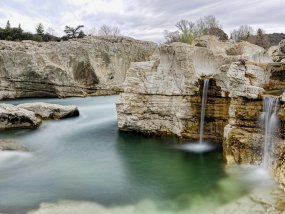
(50, 111)
(30, 115)
(12, 117)
(163, 96)
(78, 67)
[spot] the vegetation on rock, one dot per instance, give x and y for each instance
(187, 31)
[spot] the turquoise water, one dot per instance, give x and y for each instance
(86, 159)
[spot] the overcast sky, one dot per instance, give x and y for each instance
(142, 19)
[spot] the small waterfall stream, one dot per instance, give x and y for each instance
(270, 123)
(203, 109)
(201, 146)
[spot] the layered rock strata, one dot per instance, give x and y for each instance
(163, 96)
(78, 67)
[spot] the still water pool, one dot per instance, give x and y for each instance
(87, 162)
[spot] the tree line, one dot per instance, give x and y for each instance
(187, 31)
(18, 34)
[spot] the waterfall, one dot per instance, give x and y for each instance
(203, 109)
(270, 123)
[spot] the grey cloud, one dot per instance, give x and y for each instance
(148, 19)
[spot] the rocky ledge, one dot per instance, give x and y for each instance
(78, 67)
(163, 96)
(49, 111)
(30, 115)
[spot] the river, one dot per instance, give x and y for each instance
(87, 160)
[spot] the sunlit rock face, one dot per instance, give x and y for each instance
(163, 96)
(78, 67)
(243, 135)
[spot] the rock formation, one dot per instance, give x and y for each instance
(78, 67)
(30, 115)
(12, 117)
(163, 96)
(50, 111)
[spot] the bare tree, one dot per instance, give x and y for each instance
(204, 24)
(187, 31)
(106, 30)
(243, 33)
(184, 26)
(171, 36)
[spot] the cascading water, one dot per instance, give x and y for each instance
(270, 123)
(203, 109)
(202, 146)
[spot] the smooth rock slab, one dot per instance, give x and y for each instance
(12, 117)
(51, 111)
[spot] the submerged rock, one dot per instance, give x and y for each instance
(263, 200)
(51, 111)
(12, 117)
(11, 145)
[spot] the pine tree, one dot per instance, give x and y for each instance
(74, 32)
(40, 29)
(20, 28)
(8, 25)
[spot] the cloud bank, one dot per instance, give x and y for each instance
(145, 19)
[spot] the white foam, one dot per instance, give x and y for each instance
(13, 157)
(197, 147)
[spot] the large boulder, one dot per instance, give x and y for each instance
(51, 111)
(12, 117)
